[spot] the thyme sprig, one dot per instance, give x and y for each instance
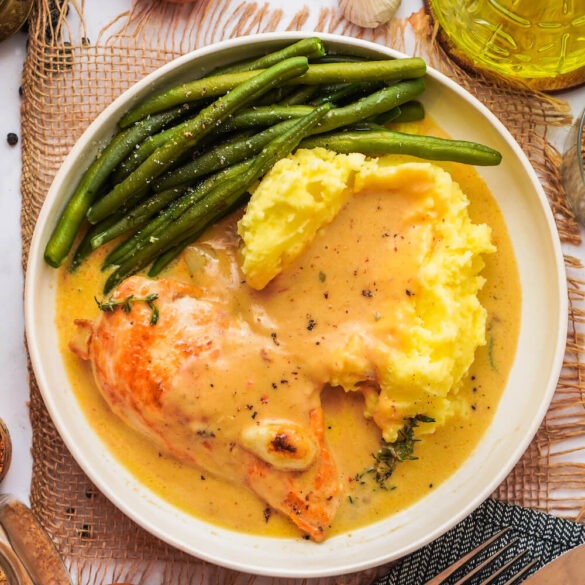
(125, 305)
(390, 454)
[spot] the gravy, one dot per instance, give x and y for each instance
(306, 294)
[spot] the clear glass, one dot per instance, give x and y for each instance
(573, 168)
(541, 41)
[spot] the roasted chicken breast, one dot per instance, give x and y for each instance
(159, 354)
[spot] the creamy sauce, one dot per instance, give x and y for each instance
(306, 306)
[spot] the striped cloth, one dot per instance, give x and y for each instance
(542, 536)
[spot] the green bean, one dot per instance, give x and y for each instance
(145, 149)
(362, 71)
(73, 215)
(140, 154)
(229, 153)
(132, 200)
(200, 126)
(412, 111)
(166, 258)
(274, 96)
(256, 116)
(223, 155)
(263, 116)
(299, 96)
(161, 222)
(84, 248)
(341, 58)
(221, 199)
(365, 126)
(376, 103)
(135, 217)
(194, 91)
(312, 48)
(344, 91)
(390, 142)
(390, 116)
(317, 74)
(150, 233)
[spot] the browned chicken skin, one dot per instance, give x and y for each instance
(171, 381)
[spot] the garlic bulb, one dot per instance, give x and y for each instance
(369, 13)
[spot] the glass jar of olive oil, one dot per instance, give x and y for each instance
(541, 42)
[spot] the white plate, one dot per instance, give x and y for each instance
(530, 388)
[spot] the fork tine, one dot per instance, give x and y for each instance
(452, 568)
(504, 568)
(519, 574)
(486, 562)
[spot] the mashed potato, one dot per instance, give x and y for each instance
(437, 327)
(301, 194)
(444, 322)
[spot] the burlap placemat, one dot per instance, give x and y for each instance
(68, 79)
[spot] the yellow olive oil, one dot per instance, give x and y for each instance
(541, 42)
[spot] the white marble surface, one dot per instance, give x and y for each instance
(14, 387)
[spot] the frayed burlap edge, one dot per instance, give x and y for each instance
(68, 80)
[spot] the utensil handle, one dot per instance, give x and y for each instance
(10, 564)
(31, 544)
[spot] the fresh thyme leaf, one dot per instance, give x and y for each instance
(390, 454)
(125, 305)
(155, 314)
(423, 418)
(106, 306)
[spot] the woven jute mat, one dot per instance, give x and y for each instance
(68, 79)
